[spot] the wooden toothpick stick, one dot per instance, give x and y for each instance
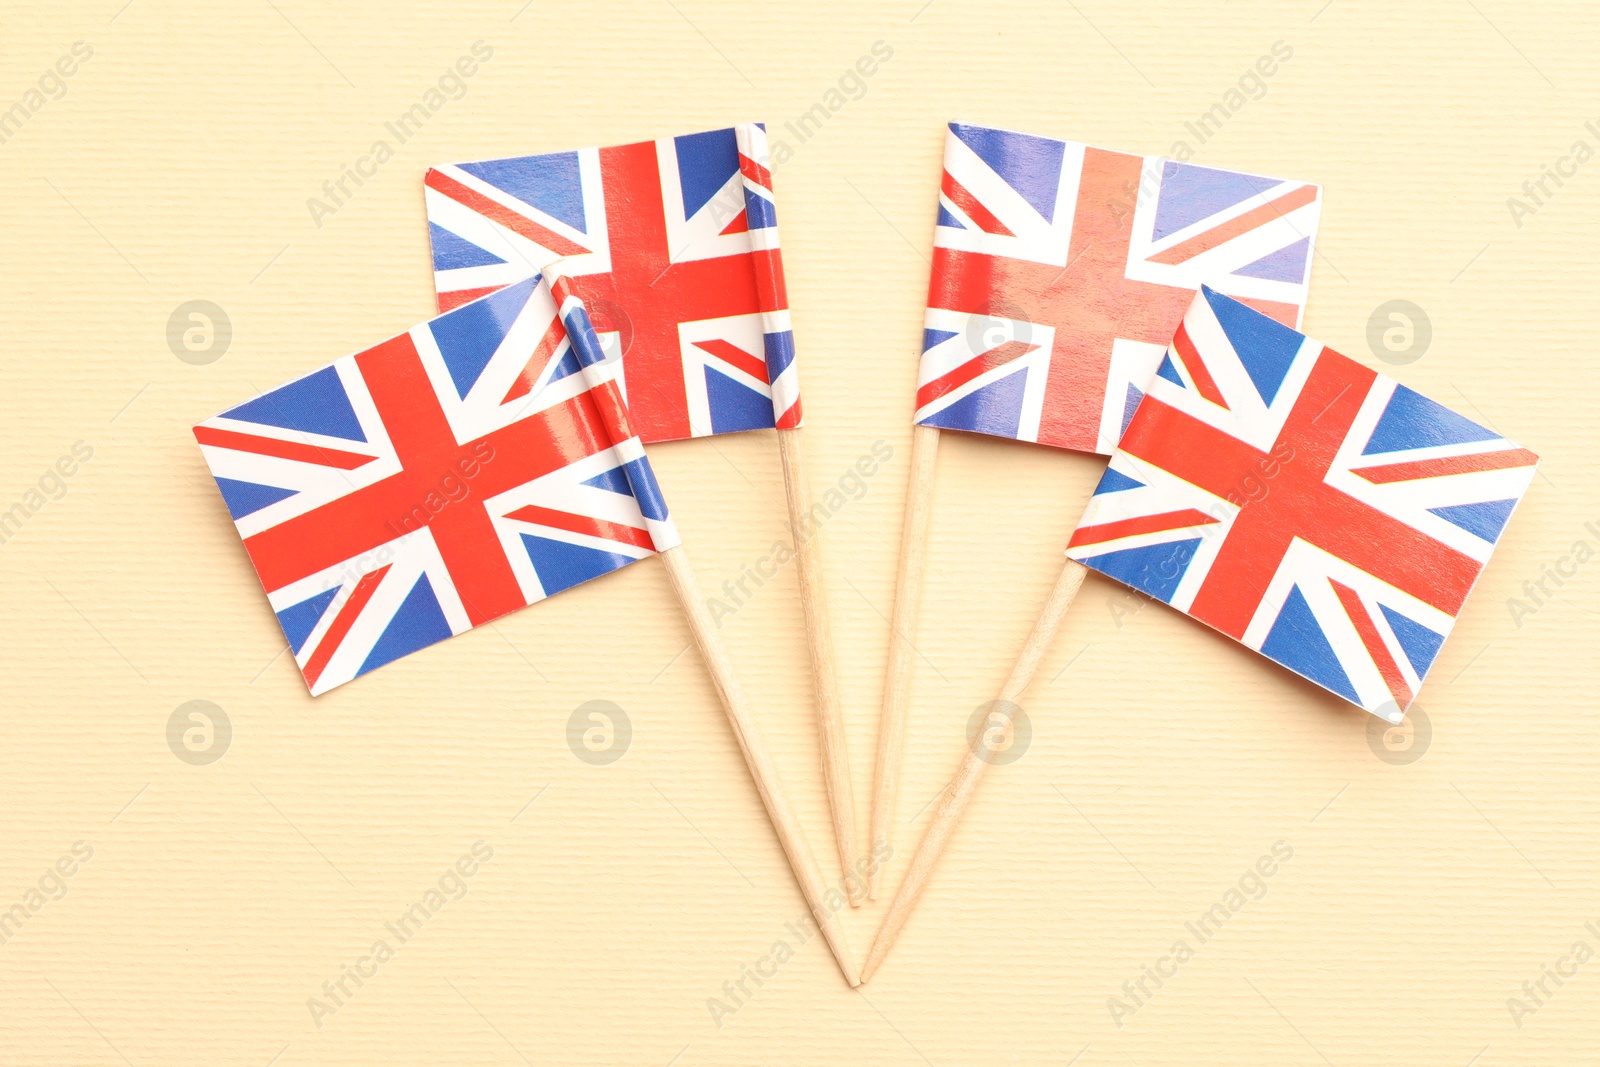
(607, 398)
(777, 332)
(975, 760)
(902, 628)
(757, 759)
(819, 639)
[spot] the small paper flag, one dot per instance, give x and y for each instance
(1060, 271)
(432, 483)
(1318, 512)
(672, 246)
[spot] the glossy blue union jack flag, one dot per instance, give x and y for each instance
(1060, 271)
(432, 483)
(1317, 511)
(673, 245)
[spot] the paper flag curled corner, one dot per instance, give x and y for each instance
(1060, 271)
(432, 483)
(1319, 512)
(668, 243)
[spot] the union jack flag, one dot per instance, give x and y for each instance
(1319, 512)
(673, 247)
(433, 483)
(1060, 271)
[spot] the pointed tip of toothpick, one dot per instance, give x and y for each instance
(869, 967)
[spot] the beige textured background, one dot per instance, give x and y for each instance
(1164, 760)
